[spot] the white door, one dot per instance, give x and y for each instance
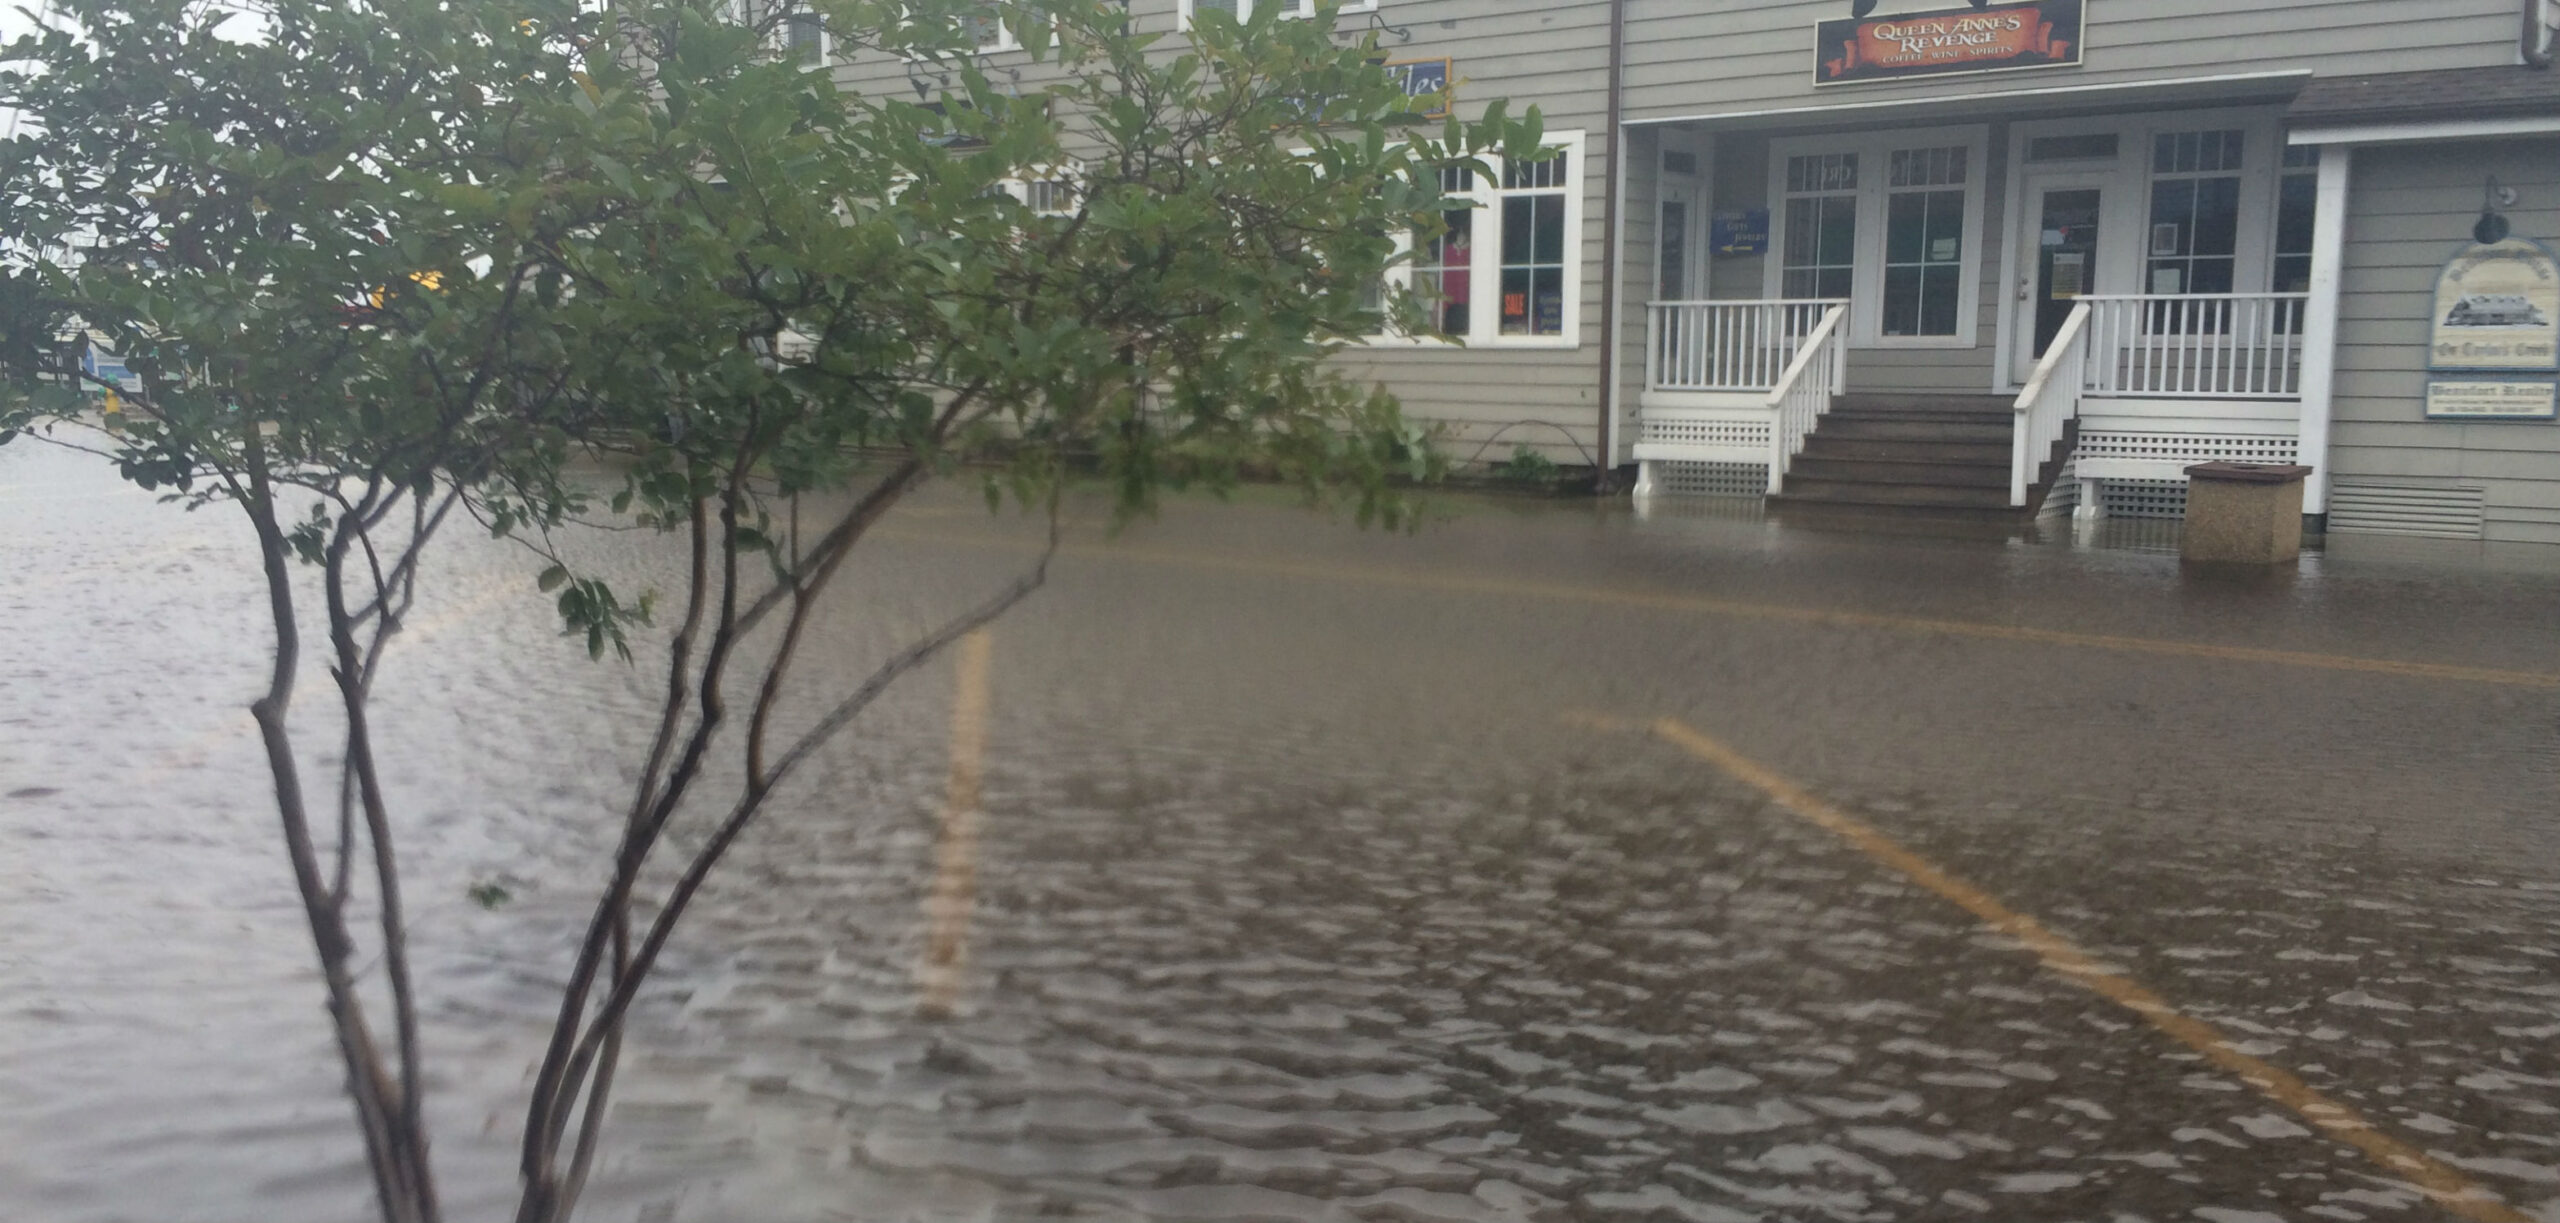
(2066, 249)
(1678, 269)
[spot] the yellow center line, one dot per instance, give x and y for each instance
(1450, 583)
(2448, 1187)
(955, 882)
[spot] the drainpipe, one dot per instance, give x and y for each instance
(2536, 44)
(1614, 144)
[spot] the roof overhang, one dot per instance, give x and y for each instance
(2042, 102)
(2415, 132)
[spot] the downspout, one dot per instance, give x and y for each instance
(1614, 199)
(2535, 45)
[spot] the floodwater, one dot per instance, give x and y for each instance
(1323, 874)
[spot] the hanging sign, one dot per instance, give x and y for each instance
(2496, 334)
(1994, 38)
(1423, 78)
(2498, 307)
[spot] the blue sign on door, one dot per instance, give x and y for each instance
(1423, 78)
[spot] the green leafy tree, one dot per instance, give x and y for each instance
(380, 268)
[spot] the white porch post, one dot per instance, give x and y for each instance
(2320, 322)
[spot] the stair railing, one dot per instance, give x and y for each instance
(2050, 402)
(1804, 392)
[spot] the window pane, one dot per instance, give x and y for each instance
(1232, 8)
(1549, 230)
(1941, 288)
(1803, 231)
(2293, 274)
(1546, 293)
(1671, 274)
(2211, 276)
(1831, 282)
(1906, 227)
(1946, 227)
(2217, 216)
(1901, 300)
(2297, 195)
(1839, 229)
(1515, 229)
(1799, 283)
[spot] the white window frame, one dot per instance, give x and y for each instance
(1300, 9)
(1866, 281)
(1484, 257)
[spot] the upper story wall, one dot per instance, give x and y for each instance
(1554, 56)
(1705, 57)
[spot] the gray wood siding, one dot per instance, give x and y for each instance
(2409, 210)
(1552, 56)
(1688, 58)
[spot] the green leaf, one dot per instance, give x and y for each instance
(551, 578)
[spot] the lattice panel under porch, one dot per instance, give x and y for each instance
(1683, 479)
(2188, 447)
(1731, 434)
(2142, 498)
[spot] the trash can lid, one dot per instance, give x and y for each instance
(2248, 473)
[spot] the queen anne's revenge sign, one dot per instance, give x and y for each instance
(2000, 37)
(2495, 348)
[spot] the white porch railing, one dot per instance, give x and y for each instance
(1727, 345)
(2051, 400)
(2196, 346)
(1805, 390)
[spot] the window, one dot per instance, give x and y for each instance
(1505, 270)
(2195, 211)
(804, 37)
(1533, 245)
(1888, 221)
(988, 31)
(1820, 257)
(1243, 10)
(1443, 268)
(2297, 200)
(1924, 241)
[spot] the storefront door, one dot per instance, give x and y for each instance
(1676, 247)
(2059, 260)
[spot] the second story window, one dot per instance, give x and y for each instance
(988, 32)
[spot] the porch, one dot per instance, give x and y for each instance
(2126, 389)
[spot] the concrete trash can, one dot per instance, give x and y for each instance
(2244, 513)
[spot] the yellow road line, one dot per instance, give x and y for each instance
(955, 882)
(1785, 613)
(2450, 1189)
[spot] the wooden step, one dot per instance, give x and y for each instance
(1997, 420)
(1885, 429)
(1892, 401)
(1867, 492)
(1900, 469)
(1820, 445)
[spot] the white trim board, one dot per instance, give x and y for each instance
(2098, 92)
(2411, 133)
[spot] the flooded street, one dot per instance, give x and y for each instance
(1551, 863)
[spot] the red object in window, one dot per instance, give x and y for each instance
(1515, 305)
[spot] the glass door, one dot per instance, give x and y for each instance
(2060, 263)
(1675, 276)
